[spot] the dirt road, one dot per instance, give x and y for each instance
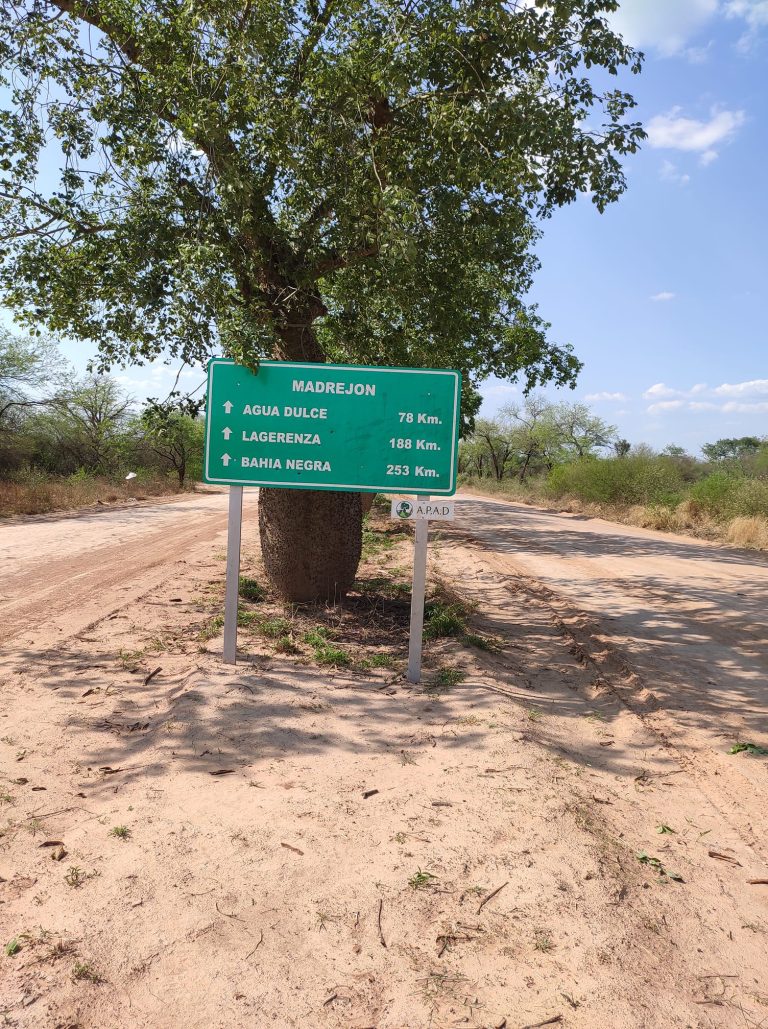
(680, 624)
(59, 574)
(550, 830)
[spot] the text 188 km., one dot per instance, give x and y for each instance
(419, 418)
(408, 444)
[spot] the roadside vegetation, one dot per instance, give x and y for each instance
(67, 442)
(563, 454)
(368, 633)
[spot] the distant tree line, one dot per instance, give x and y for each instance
(57, 423)
(561, 450)
(527, 439)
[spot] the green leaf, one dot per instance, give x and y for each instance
(748, 748)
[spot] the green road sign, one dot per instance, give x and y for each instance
(332, 426)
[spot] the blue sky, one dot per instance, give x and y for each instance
(663, 297)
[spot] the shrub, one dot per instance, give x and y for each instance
(751, 533)
(642, 479)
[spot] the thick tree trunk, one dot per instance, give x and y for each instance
(311, 540)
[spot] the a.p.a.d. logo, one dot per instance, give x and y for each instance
(404, 509)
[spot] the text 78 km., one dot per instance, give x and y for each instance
(419, 418)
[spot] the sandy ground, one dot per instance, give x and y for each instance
(262, 883)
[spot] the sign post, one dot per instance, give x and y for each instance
(419, 510)
(234, 528)
(353, 428)
(418, 594)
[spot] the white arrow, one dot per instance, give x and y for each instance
(227, 433)
(226, 459)
(227, 406)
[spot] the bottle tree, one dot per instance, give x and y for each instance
(343, 180)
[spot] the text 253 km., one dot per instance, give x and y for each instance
(419, 470)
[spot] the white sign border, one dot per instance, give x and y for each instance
(349, 487)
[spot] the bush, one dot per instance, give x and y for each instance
(725, 495)
(642, 479)
(749, 532)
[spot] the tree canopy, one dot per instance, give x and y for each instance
(342, 180)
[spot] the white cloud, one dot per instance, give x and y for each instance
(669, 173)
(754, 387)
(499, 389)
(734, 408)
(745, 398)
(666, 405)
(672, 131)
(661, 297)
(665, 25)
(660, 390)
(592, 398)
(754, 12)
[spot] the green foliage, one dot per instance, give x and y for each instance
(422, 880)
(730, 494)
(748, 748)
(448, 677)
(441, 619)
(732, 449)
(54, 424)
(31, 370)
(251, 590)
(333, 656)
(273, 628)
(175, 437)
(634, 479)
(652, 862)
(357, 181)
(528, 438)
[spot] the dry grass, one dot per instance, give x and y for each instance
(751, 533)
(67, 494)
(688, 518)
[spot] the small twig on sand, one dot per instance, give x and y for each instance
(757, 882)
(381, 933)
(261, 940)
(227, 914)
(547, 1021)
(490, 896)
(148, 679)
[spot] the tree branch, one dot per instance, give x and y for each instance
(336, 261)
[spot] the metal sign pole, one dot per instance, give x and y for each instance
(417, 600)
(234, 527)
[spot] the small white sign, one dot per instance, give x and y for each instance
(413, 509)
